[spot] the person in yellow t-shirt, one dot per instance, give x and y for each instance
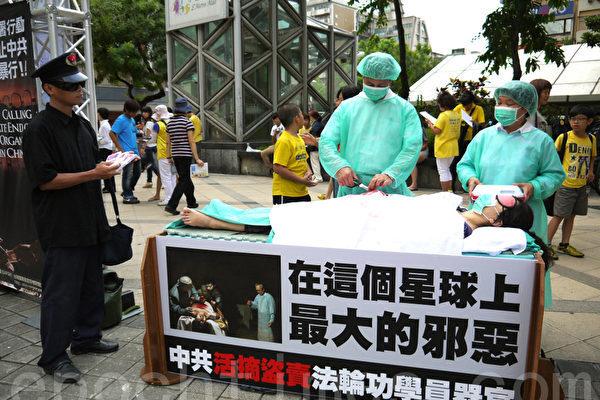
(291, 176)
(466, 102)
(571, 198)
(446, 130)
(195, 120)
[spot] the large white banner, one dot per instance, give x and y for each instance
(372, 314)
(183, 13)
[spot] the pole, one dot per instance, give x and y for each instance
(237, 68)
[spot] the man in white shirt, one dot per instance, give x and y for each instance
(105, 143)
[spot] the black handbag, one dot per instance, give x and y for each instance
(117, 249)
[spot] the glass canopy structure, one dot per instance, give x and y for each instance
(238, 71)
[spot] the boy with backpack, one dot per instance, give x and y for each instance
(577, 150)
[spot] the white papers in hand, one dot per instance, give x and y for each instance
(428, 117)
(121, 158)
(467, 118)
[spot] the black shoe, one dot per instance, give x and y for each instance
(105, 190)
(64, 372)
(98, 346)
(130, 200)
(195, 205)
(171, 210)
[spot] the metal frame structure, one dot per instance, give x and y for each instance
(61, 26)
(238, 71)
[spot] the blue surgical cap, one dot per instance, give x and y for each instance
(381, 66)
(523, 93)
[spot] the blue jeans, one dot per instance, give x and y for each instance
(152, 162)
(131, 174)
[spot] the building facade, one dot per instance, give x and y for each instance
(333, 12)
(236, 72)
(569, 24)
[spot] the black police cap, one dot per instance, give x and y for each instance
(61, 69)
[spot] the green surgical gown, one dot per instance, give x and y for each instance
(496, 157)
(373, 138)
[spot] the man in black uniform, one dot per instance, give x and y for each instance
(61, 158)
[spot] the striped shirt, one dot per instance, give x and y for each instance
(177, 129)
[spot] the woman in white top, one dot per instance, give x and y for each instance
(105, 143)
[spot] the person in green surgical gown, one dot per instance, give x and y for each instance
(379, 134)
(515, 152)
(264, 303)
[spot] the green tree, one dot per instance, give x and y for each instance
(592, 36)
(129, 45)
(516, 26)
(418, 62)
(374, 11)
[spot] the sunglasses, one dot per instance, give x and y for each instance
(68, 86)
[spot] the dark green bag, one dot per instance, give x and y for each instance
(113, 308)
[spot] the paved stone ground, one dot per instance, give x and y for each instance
(571, 332)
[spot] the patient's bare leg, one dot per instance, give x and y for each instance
(194, 218)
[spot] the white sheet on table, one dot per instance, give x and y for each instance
(494, 240)
(425, 224)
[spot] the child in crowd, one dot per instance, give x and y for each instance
(577, 150)
(291, 177)
(276, 131)
(277, 128)
(447, 132)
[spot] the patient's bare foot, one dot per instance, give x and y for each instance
(195, 218)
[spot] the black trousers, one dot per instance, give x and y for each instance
(184, 183)
(72, 300)
(289, 199)
(108, 183)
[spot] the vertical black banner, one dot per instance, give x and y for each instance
(20, 252)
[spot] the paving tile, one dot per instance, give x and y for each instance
(128, 333)
(27, 394)
(4, 336)
(569, 289)
(580, 325)
(206, 387)
(7, 391)
(553, 338)
(85, 362)
(21, 329)
(130, 351)
(8, 367)
(32, 336)
(25, 354)
(20, 304)
(594, 342)
(24, 376)
(578, 369)
(158, 393)
(579, 351)
(111, 366)
(133, 373)
(120, 389)
(10, 320)
(12, 345)
(579, 389)
(88, 387)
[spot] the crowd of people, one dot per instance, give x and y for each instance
(373, 141)
(166, 142)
